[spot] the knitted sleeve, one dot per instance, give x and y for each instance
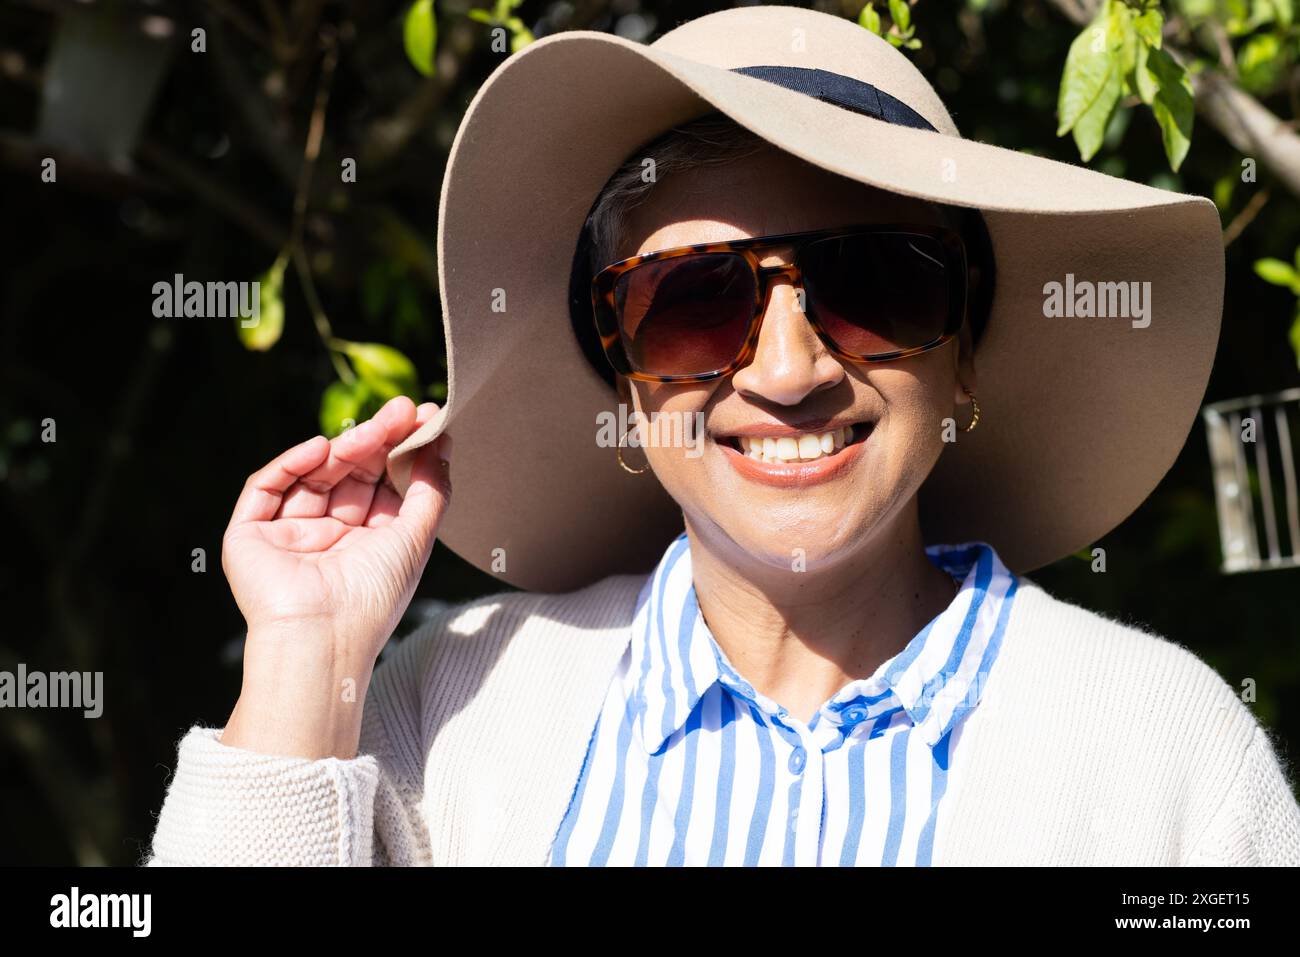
(1258, 822)
(228, 806)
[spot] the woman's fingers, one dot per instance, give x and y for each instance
(264, 489)
(355, 453)
(310, 495)
(387, 503)
(303, 535)
(384, 508)
(350, 499)
(341, 479)
(398, 417)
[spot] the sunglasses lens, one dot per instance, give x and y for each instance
(878, 293)
(687, 315)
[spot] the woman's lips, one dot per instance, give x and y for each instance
(798, 473)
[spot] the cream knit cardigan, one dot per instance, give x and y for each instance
(1095, 744)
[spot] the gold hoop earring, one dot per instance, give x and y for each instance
(619, 455)
(975, 411)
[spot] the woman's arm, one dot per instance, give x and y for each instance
(231, 806)
(1258, 821)
(322, 557)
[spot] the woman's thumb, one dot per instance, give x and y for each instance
(429, 492)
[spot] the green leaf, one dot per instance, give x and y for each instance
(901, 14)
(1145, 84)
(1284, 10)
(1278, 273)
(870, 19)
(1234, 14)
(385, 370)
(482, 16)
(1121, 26)
(1117, 127)
(1224, 187)
(266, 332)
(520, 35)
(1148, 25)
(1090, 128)
(1173, 106)
(1094, 76)
(420, 35)
(1261, 63)
(1090, 69)
(343, 405)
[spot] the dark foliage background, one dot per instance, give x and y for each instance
(159, 421)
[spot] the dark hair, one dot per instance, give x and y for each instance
(713, 138)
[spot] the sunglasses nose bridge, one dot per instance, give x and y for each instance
(788, 270)
(766, 274)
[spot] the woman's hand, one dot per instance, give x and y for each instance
(323, 557)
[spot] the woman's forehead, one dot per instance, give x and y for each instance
(760, 195)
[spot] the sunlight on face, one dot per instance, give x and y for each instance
(793, 380)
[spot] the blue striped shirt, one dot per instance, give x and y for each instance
(689, 765)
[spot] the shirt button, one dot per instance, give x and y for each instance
(854, 715)
(797, 758)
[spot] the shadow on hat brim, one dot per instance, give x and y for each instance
(1081, 417)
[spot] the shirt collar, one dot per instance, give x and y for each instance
(937, 679)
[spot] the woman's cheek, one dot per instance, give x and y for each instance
(914, 434)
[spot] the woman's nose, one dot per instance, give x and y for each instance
(790, 362)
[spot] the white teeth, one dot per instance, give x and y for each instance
(795, 448)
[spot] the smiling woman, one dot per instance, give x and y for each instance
(810, 640)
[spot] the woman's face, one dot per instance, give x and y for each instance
(897, 409)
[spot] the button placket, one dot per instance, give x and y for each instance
(807, 822)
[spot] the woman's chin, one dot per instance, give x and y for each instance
(790, 542)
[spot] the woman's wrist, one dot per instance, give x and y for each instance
(299, 697)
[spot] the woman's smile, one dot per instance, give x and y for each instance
(785, 457)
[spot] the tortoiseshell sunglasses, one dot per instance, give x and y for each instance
(873, 293)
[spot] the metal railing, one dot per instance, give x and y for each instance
(1255, 491)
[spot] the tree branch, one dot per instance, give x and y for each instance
(1245, 217)
(1251, 128)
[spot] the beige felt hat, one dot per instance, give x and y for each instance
(1081, 417)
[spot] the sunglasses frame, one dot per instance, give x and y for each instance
(604, 283)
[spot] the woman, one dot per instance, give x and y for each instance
(792, 626)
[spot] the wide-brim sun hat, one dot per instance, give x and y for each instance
(1081, 417)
